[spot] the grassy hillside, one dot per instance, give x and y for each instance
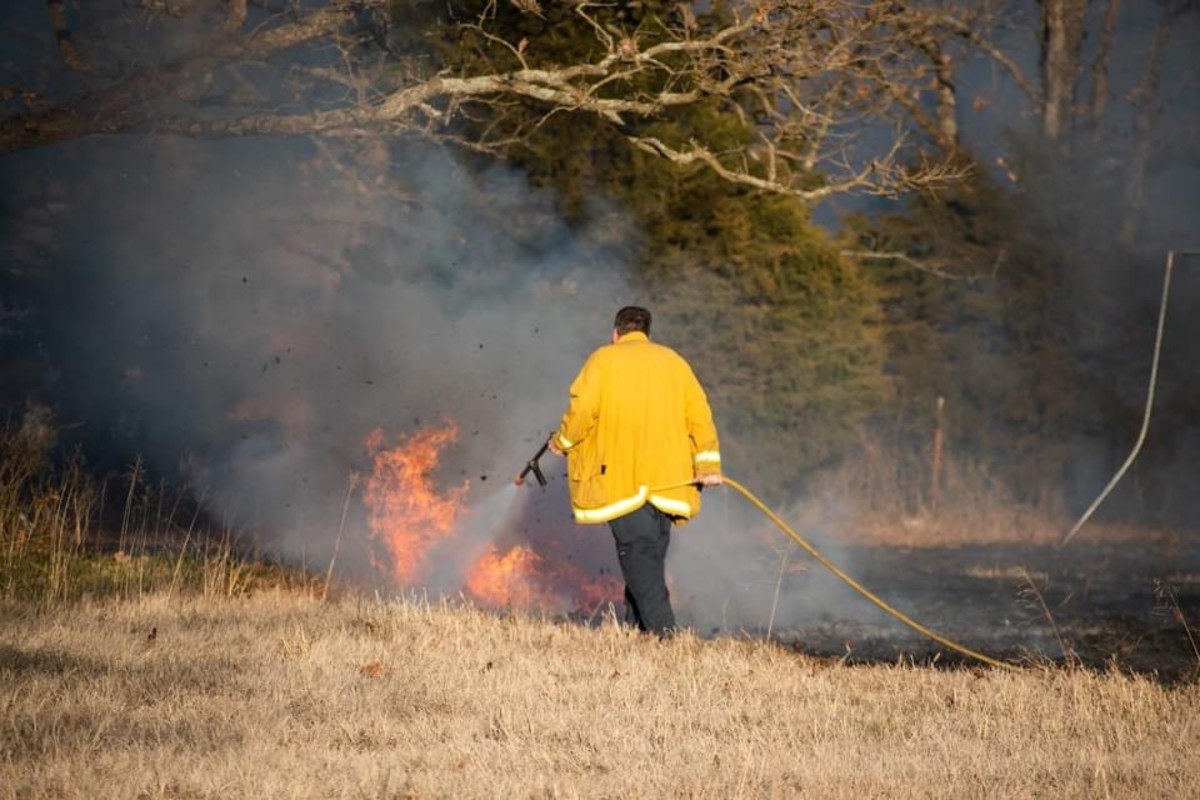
(278, 694)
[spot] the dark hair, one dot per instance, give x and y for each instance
(632, 318)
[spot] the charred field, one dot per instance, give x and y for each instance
(1119, 597)
(1125, 605)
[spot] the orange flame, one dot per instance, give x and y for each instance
(523, 578)
(509, 579)
(409, 516)
(406, 511)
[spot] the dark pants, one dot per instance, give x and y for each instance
(642, 538)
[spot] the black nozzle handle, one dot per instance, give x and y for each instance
(532, 466)
(537, 473)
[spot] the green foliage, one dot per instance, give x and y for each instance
(780, 329)
(579, 155)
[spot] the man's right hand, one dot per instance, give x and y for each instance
(713, 479)
(552, 443)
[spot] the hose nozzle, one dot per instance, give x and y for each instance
(532, 466)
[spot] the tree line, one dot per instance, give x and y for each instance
(960, 271)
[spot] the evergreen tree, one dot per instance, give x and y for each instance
(780, 328)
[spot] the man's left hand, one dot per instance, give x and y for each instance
(714, 479)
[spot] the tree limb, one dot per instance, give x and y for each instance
(925, 266)
(795, 69)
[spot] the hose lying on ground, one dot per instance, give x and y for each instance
(853, 584)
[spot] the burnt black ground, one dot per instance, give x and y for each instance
(1106, 605)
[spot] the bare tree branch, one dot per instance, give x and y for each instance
(1144, 121)
(808, 75)
(930, 267)
(969, 22)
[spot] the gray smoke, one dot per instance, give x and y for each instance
(247, 312)
(244, 313)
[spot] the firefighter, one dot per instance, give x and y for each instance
(640, 441)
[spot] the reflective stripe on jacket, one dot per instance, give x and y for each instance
(637, 419)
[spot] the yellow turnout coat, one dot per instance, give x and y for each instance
(637, 420)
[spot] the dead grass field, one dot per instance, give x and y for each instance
(281, 696)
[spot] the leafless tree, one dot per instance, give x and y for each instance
(1147, 103)
(1062, 47)
(810, 76)
(1069, 98)
(1100, 64)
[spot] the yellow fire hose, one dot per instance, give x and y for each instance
(849, 581)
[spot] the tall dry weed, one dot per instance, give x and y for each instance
(57, 543)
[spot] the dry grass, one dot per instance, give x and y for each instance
(280, 695)
(129, 670)
(55, 546)
(888, 488)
